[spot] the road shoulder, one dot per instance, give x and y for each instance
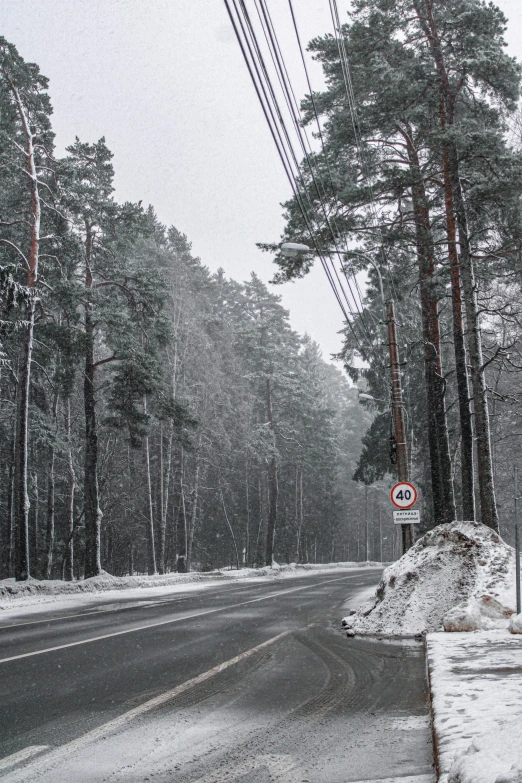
(476, 692)
(27, 598)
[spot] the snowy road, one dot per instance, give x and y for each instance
(137, 689)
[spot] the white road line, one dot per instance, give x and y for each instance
(21, 755)
(86, 614)
(167, 622)
(144, 604)
(56, 756)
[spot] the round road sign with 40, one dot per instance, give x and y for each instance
(403, 495)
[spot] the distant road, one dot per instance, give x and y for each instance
(295, 698)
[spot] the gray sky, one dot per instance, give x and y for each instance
(165, 83)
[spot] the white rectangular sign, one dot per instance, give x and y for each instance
(408, 517)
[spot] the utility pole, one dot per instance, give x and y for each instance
(517, 539)
(380, 535)
(403, 471)
(366, 521)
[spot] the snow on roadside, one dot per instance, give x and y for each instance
(476, 687)
(18, 598)
(459, 576)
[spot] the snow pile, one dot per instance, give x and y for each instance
(294, 569)
(480, 764)
(477, 614)
(515, 623)
(459, 575)
(476, 692)
(9, 589)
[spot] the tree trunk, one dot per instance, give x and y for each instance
(480, 404)
(21, 497)
(7, 550)
(150, 527)
(246, 558)
(272, 483)
(438, 441)
(488, 505)
(92, 510)
(181, 565)
(71, 486)
(161, 493)
(33, 543)
(49, 530)
(192, 526)
(260, 539)
(466, 430)
(230, 529)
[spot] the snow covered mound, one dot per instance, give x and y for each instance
(459, 575)
(481, 763)
(515, 623)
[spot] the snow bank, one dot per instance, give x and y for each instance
(476, 694)
(515, 623)
(34, 592)
(459, 576)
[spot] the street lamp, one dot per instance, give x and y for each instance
(371, 398)
(293, 249)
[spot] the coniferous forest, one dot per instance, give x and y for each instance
(153, 416)
(420, 171)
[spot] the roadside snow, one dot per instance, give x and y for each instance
(17, 598)
(515, 623)
(460, 576)
(476, 687)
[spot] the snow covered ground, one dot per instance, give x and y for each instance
(457, 584)
(476, 687)
(18, 598)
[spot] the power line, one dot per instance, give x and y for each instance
(345, 67)
(252, 54)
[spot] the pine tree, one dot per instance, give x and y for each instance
(25, 109)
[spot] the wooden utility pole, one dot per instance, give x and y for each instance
(403, 472)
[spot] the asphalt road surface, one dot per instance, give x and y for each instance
(244, 683)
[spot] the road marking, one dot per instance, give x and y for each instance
(57, 755)
(87, 614)
(21, 755)
(168, 622)
(144, 604)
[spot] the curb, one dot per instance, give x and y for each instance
(432, 712)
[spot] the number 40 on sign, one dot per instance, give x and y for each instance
(403, 495)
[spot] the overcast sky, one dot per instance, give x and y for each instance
(165, 83)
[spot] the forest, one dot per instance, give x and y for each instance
(417, 181)
(154, 416)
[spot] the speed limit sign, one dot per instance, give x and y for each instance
(403, 495)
